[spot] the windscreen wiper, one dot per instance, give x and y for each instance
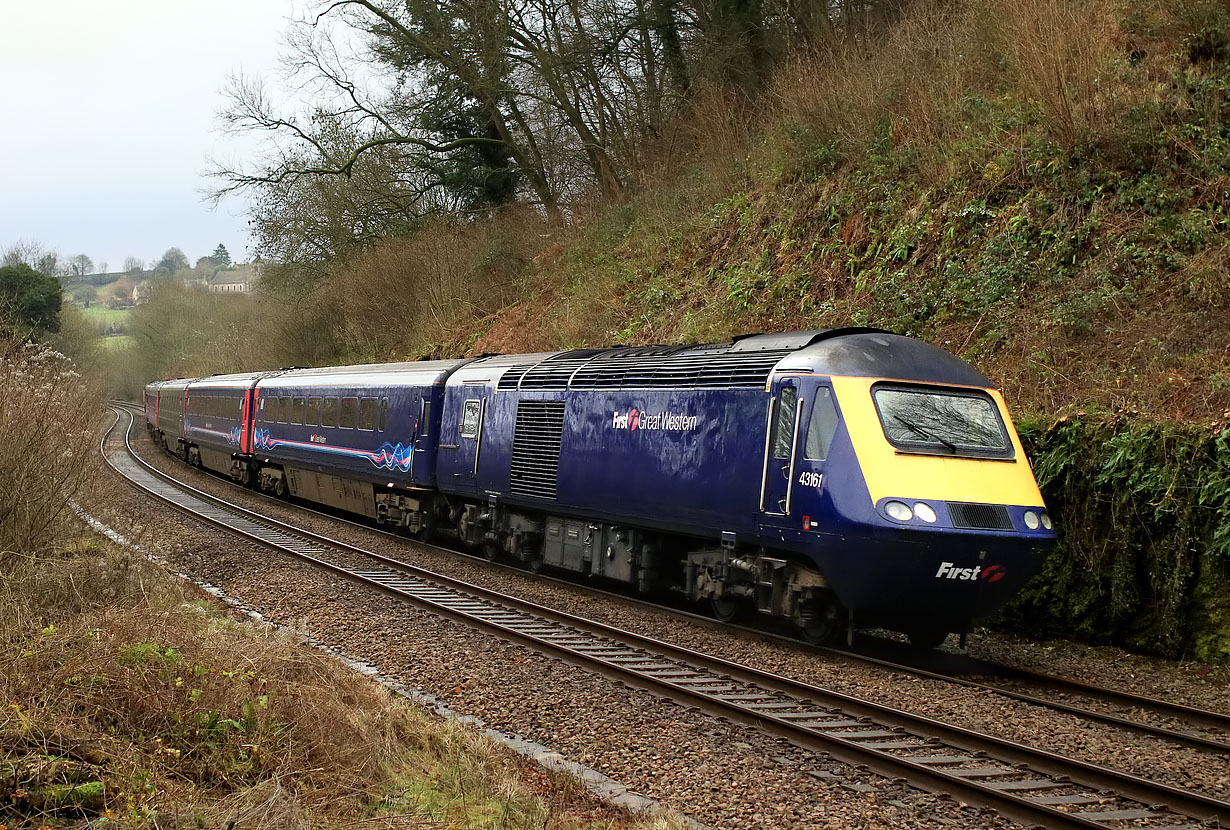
(921, 431)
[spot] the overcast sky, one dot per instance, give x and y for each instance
(107, 117)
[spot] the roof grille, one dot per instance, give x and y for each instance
(512, 376)
(979, 516)
(536, 443)
(683, 369)
(554, 372)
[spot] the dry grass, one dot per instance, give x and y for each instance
(915, 84)
(125, 696)
(408, 293)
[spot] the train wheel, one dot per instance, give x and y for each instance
(280, 489)
(534, 564)
(491, 550)
(823, 625)
(726, 609)
(427, 524)
(927, 637)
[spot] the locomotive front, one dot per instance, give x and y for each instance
(895, 467)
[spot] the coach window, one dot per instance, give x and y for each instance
(384, 413)
(283, 410)
(469, 419)
(783, 424)
(298, 411)
(823, 426)
(367, 414)
(329, 418)
(349, 413)
(313, 412)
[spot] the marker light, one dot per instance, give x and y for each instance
(924, 512)
(899, 511)
(1046, 521)
(1031, 520)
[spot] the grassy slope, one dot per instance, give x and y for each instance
(1076, 255)
(128, 700)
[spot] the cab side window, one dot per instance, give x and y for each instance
(783, 421)
(822, 427)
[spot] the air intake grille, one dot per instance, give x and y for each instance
(536, 441)
(512, 377)
(681, 369)
(979, 516)
(553, 373)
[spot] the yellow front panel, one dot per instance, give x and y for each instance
(889, 472)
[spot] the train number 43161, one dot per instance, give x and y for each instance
(810, 479)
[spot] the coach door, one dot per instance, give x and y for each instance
(780, 447)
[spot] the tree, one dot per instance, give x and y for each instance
(29, 302)
(35, 255)
(221, 256)
(133, 265)
(173, 260)
(79, 267)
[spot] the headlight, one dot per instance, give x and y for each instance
(899, 511)
(1031, 520)
(924, 512)
(1046, 521)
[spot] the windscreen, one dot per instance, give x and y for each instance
(942, 421)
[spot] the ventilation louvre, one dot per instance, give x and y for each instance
(979, 516)
(512, 376)
(536, 444)
(654, 367)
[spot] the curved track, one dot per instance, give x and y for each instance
(1022, 782)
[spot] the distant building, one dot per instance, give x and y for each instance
(140, 293)
(240, 280)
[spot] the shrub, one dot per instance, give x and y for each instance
(48, 420)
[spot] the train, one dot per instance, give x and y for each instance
(826, 479)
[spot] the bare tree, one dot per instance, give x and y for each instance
(79, 267)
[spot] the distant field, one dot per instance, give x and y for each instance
(105, 316)
(119, 341)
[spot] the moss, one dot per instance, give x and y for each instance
(62, 797)
(1143, 553)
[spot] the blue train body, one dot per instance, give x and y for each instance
(814, 476)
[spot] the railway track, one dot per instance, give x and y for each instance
(1024, 783)
(1175, 723)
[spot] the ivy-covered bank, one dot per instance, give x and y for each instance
(1143, 511)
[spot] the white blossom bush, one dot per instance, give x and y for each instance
(49, 420)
